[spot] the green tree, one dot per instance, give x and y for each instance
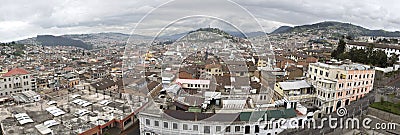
(340, 49)
(370, 50)
(380, 58)
(393, 59)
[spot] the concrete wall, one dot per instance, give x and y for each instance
(378, 98)
(384, 115)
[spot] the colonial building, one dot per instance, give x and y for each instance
(16, 80)
(153, 121)
(338, 84)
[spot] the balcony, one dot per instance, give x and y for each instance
(325, 98)
(324, 88)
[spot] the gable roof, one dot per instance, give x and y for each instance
(16, 71)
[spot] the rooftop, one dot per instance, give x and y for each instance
(294, 85)
(16, 71)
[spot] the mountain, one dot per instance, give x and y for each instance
(50, 40)
(214, 30)
(249, 35)
(105, 36)
(336, 27)
(172, 37)
(86, 41)
(282, 29)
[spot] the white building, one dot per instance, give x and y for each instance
(194, 83)
(153, 121)
(295, 90)
(388, 49)
(16, 80)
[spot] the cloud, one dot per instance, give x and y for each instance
(23, 18)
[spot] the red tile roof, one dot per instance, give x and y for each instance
(16, 71)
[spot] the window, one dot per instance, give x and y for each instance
(321, 72)
(174, 126)
(228, 129)
(195, 128)
(257, 129)
(237, 128)
(147, 122)
(267, 126)
(165, 124)
(156, 123)
(185, 127)
(207, 129)
(218, 128)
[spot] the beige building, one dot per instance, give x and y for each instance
(339, 84)
(214, 69)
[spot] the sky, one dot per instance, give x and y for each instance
(20, 19)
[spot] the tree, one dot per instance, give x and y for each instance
(340, 49)
(380, 58)
(348, 37)
(393, 59)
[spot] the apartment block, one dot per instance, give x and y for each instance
(338, 84)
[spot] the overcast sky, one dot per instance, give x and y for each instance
(21, 19)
